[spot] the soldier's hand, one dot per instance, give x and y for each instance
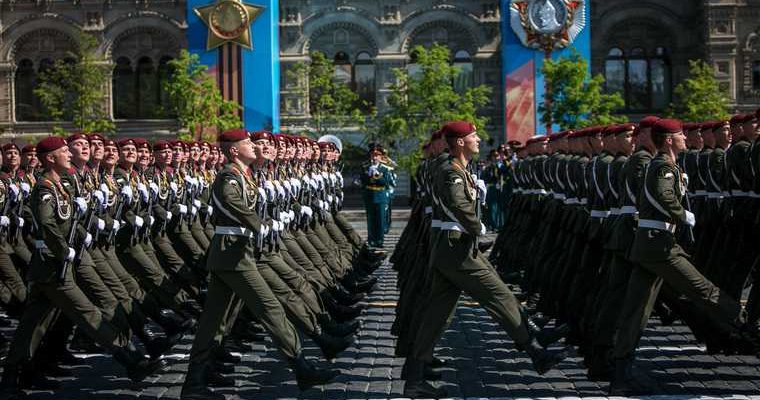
(116, 226)
(87, 240)
(14, 190)
(126, 191)
(139, 222)
(691, 220)
(4, 221)
(25, 189)
(173, 186)
(168, 215)
(482, 229)
(101, 225)
(143, 190)
(209, 210)
(100, 199)
(20, 222)
(106, 191)
(151, 220)
(154, 188)
(81, 205)
(72, 253)
(182, 209)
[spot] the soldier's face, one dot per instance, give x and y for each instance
(143, 156)
(205, 153)
(60, 160)
(749, 129)
(195, 153)
(625, 142)
(261, 149)
(30, 159)
(96, 150)
(111, 155)
(80, 150)
(245, 151)
(12, 158)
(472, 144)
(177, 154)
(163, 157)
(679, 142)
(128, 153)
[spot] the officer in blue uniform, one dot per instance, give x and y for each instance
(376, 180)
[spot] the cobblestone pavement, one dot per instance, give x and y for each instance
(484, 364)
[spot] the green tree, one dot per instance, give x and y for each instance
(332, 103)
(700, 97)
(195, 99)
(423, 100)
(74, 88)
(576, 100)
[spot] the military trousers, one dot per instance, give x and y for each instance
(723, 311)
(270, 266)
(376, 223)
(11, 279)
(456, 270)
(252, 289)
(312, 273)
(345, 226)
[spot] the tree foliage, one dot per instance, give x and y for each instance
(423, 100)
(332, 103)
(700, 97)
(74, 89)
(575, 99)
(195, 99)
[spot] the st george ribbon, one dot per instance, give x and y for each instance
(239, 42)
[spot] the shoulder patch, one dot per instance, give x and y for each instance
(47, 197)
(232, 182)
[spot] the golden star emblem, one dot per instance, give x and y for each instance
(228, 21)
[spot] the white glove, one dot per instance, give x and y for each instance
(100, 198)
(25, 188)
(154, 188)
(106, 191)
(314, 184)
(482, 228)
(71, 255)
(264, 230)
(191, 183)
(81, 205)
(20, 222)
(209, 210)
(4, 220)
(685, 178)
(197, 203)
(139, 221)
(262, 194)
(168, 215)
(14, 189)
(691, 219)
(324, 175)
(287, 186)
(151, 220)
(193, 210)
(126, 191)
(143, 190)
(291, 215)
(329, 199)
(280, 191)
(482, 188)
(173, 186)
(88, 240)
(101, 225)
(182, 209)
(270, 190)
(116, 226)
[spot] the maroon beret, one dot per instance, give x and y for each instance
(233, 135)
(50, 143)
(76, 136)
(176, 143)
(623, 128)
(205, 144)
(109, 142)
(648, 121)
(439, 134)
(736, 119)
(161, 145)
(751, 117)
(261, 135)
(514, 143)
(608, 130)
(30, 148)
(541, 138)
(195, 144)
(458, 129)
(690, 126)
(141, 143)
(95, 136)
(668, 126)
(9, 146)
(127, 142)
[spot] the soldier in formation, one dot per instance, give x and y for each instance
(610, 224)
(122, 247)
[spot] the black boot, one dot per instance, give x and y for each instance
(66, 358)
(215, 379)
(438, 362)
(222, 354)
(331, 346)
(195, 387)
(33, 377)
(543, 360)
(344, 297)
(599, 369)
(336, 328)
(173, 323)
(156, 345)
(308, 375)
(138, 366)
(623, 383)
(547, 337)
(416, 386)
(9, 386)
(340, 312)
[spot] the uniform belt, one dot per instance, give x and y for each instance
(614, 211)
(659, 225)
(40, 245)
(584, 201)
(436, 223)
(559, 196)
(714, 195)
(725, 194)
(428, 210)
(572, 200)
(628, 210)
(701, 193)
(234, 230)
(754, 195)
(541, 191)
(376, 188)
(599, 214)
(740, 193)
(452, 226)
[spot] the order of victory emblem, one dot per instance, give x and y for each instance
(228, 21)
(547, 24)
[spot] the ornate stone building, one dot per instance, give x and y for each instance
(641, 46)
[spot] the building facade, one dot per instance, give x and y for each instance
(642, 47)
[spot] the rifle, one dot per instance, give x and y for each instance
(117, 217)
(72, 235)
(87, 227)
(478, 211)
(146, 232)
(169, 199)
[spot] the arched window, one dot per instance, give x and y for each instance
(26, 103)
(641, 77)
(465, 78)
(756, 75)
(364, 78)
(413, 68)
(164, 73)
(124, 101)
(147, 88)
(343, 69)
